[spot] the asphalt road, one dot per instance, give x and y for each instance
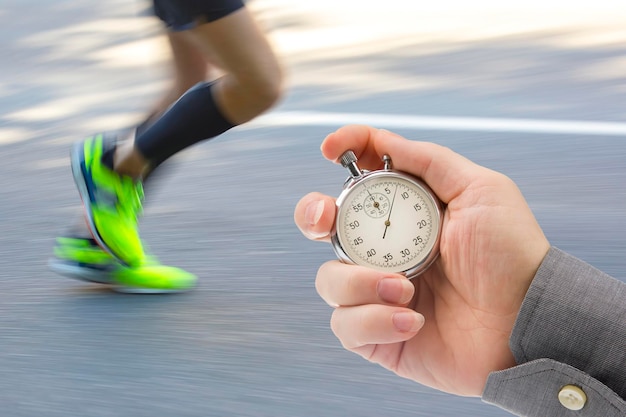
(253, 339)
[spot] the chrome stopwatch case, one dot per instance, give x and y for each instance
(386, 220)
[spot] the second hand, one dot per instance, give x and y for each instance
(388, 222)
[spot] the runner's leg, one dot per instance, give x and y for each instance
(251, 83)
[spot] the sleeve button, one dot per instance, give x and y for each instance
(572, 397)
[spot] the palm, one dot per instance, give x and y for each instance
(468, 314)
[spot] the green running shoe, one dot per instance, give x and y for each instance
(153, 278)
(81, 258)
(112, 201)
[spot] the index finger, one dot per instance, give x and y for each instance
(444, 170)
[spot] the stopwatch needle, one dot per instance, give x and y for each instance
(388, 222)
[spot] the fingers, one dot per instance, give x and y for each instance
(445, 171)
(315, 215)
(344, 285)
(370, 305)
(360, 139)
(374, 324)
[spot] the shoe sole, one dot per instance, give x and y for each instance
(135, 290)
(154, 279)
(79, 273)
(76, 159)
(82, 274)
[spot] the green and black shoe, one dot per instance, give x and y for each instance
(81, 258)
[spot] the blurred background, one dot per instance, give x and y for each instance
(534, 89)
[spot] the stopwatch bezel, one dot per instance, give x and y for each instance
(349, 186)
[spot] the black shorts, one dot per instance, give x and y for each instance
(181, 15)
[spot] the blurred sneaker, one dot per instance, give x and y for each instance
(112, 202)
(81, 258)
(153, 278)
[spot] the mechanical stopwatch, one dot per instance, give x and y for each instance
(386, 220)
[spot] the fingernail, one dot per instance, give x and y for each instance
(408, 321)
(313, 212)
(395, 290)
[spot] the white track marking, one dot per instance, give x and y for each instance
(416, 122)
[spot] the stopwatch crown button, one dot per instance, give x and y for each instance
(348, 158)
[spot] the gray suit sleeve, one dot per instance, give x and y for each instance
(569, 341)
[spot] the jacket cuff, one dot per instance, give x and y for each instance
(570, 331)
(575, 314)
(536, 389)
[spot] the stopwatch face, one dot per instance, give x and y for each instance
(388, 221)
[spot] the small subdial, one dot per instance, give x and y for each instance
(376, 205)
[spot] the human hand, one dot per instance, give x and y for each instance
(449, 327)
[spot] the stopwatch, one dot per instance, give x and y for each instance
(386, 220)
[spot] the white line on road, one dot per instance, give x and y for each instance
(416, 122)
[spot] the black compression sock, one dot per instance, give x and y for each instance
(108, 151)
(143, 126)
(192, 119)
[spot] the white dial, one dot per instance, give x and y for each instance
(388, 221)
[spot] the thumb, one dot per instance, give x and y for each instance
(314, 215)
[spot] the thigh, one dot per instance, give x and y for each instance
(181, 15)
(191, 66)
(239, 45)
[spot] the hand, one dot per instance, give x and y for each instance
(449, 327)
